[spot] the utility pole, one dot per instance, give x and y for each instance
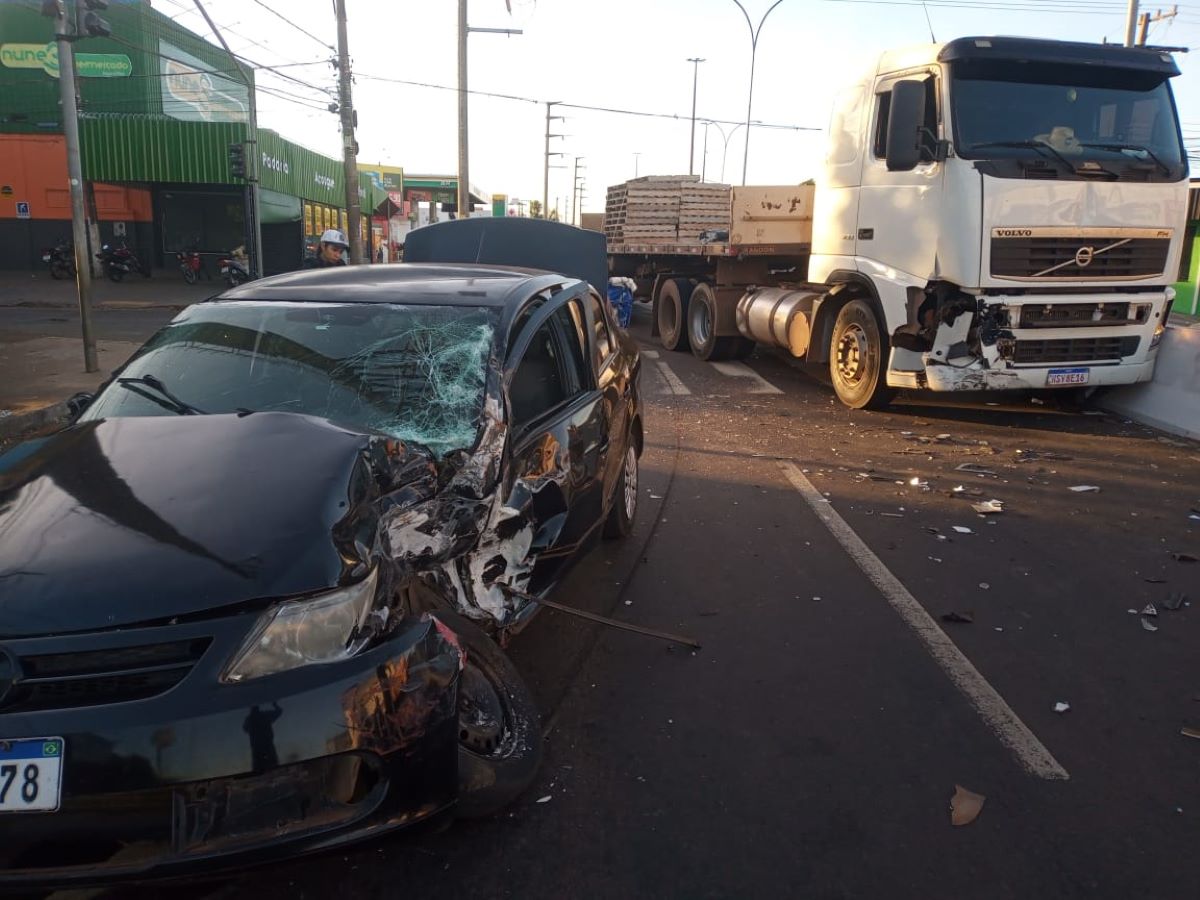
(349, 144)
(1146, 20)
(636, 157)
(546, 172)
(65, 35)
(695, 61)
(252, 202)
(1131, 22)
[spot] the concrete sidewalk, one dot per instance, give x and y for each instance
(165, 287)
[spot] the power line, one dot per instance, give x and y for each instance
(284, 18)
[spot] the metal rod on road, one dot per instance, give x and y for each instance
(349, 144)
(65, 33)
(604, 620)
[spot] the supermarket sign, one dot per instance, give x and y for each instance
(45, 57)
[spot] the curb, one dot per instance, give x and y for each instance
(32, 419)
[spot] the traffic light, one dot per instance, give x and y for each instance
(92, 24)
(237, 160)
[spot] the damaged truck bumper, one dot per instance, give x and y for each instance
(207, 775)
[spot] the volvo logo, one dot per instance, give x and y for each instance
(1084, 257)
(10, 671)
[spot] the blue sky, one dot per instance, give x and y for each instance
(627, 54)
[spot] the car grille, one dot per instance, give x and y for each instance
(1030, 257)
(1062, 350)
(94, 677)
(1079, 315)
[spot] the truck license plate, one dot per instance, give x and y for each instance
(1067, 376)
(30, 775)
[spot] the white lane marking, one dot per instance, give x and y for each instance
(649, 354)
(995, 712)
(677, 387)
(741, 370)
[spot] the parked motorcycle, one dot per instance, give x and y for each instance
(189, 264)
(120, 262)
(61, 259)
(235, 268)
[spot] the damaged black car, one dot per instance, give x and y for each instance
(252, 600)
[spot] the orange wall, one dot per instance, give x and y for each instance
(35, 167)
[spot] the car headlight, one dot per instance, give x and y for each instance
(323, 629)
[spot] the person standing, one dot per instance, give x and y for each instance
(331, 251)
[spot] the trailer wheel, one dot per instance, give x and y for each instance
(673, 299)
(701, 328)
(858, 358)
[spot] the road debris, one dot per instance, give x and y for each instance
(1183, 557)
(965, 806)
(984, 586)
(958, 618)
(1086, 489)
(988, 507)
(1155, 580)
(545, 799)
(976, 469)
(1062, 706)
(1149, 610)
(1147, 625)
(1188, 731)
(1024, 456)
(963, 529)
(1175, 601)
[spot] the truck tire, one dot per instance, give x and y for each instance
(701, 325)
(673, 299)
(858, 353)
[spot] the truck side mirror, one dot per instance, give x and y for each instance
(905, 120)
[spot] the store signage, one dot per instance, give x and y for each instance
(45, 57)
(324, 181)
(275, 164)
(22, 209)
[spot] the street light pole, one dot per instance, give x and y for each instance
(754, 33)
(636, 155)
(695, 61)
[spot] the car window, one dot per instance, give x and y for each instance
(600, 331)
(573, 325)
(417, 373)
(930, 125)
(538, 383)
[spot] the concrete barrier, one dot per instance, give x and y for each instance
(1171, 401)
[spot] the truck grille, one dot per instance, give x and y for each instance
(1034, 257)
(1079, 315)
(95, 677)
(1071, 350)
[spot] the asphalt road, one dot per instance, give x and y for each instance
(811, 748)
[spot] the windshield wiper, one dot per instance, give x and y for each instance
(172, 403)
(1134, 149)
(1040, 146)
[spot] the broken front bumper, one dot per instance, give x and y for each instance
(209, 776)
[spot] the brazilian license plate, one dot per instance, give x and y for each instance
(1068, 376)
(30, 775)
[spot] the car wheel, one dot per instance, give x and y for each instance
(499, 727)
(673, 299)
(189, 275)
(619, 523)
(858, 358)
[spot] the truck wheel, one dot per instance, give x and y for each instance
(858, 358)
(673, 299)
(701, 326)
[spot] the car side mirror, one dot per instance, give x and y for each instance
(906, 119)
(78, 403)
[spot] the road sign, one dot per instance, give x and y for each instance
(22, 209)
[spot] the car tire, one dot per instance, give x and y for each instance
(673, 299)
(619, 523)
(858, 353)
(497, 760)
(189, 275)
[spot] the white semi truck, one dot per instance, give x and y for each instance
(993, 214)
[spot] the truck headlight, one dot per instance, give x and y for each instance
(323, 629)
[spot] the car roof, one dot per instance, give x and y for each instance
(442, 284)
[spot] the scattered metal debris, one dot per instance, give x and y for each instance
(988, 507)
(960, 618)
(1183, 557)
(965, 806)
(1155, 580)
(545, 799)
(603, 620)
(976, 469)
(984, 586)
(963, 529)
(1086, 489)
(1175, 601)
(1024, 456)
(1147, 625)
(1062, 706)
(1149, 610)
(1188, 731)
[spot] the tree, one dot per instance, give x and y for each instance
(535, 209)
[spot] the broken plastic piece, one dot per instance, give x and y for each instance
(1147, 625)
(1086, 489)
(1183, 557)
(988, 507)
(545, 799)
(984, 586)
(975, 469)
(1149, 610)
(1062, 707)
(963, 529)
(965, 806)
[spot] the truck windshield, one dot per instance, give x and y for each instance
(1094, 121)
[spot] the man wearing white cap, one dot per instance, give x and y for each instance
(330, 251)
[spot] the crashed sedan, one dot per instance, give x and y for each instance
(252, 600)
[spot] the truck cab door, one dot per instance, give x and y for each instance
(899, 213)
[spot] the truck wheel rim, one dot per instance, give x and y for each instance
(701, 323)
(631, 482)
(481, 714)
(852, 351)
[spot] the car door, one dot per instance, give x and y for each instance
(559, 437)
(614, 387)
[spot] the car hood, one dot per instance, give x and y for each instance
(134, 520)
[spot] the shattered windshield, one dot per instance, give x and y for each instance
(1113, 117)
(412, 372)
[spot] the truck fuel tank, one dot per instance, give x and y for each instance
(778, 317)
